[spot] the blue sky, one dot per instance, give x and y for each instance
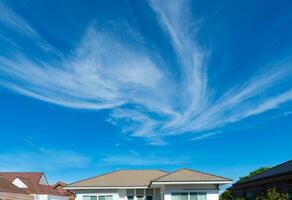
(87, 87)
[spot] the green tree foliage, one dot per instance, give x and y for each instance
(253, 173)
(226, 195)
(272, 194)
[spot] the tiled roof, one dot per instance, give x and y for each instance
(31, 180)
(121, 178)
(142, 178)
(187, 175)
(6, 186)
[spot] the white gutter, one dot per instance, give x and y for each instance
(97, 187)
(188, 182)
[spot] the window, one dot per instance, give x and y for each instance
(140, 192)
(149, 198)
(197, 196)
(87, 197)
(130, 197)
(140, 198)
(104, 197)
(189, 196)
(130, 192)
(108, 197)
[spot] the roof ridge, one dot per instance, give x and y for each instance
(93, 177)
(169, 173)
(247, 180)
(209, 174)
(115, 171)
(196, 171)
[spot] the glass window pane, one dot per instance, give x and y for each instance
(140, 198)
(193, 196)
(183, 196)
(130, 192)
(108, 197)
(149, 198)
(93, 198)
(140, 192)
(201, 196)
(130, 197)
(86, 197)
(175, 196)
(101, 197)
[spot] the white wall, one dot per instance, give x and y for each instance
(49, 197)
(113, 192)
(118, 194)
(212, 193)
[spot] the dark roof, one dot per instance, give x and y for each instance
(182, 175)
(6, 186)
(31, 180)
(283, 168)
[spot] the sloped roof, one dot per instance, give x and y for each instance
(187, 175)
(59, 183)
(283, 168)
(143, 178)
(59, 187)
(31, 180)
(121, 178)
(6, 186)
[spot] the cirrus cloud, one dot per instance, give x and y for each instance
(104, 72)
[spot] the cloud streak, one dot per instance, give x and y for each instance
(43, 159)
(105, 72)
(136, 159)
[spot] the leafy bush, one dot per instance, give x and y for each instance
(272, 194)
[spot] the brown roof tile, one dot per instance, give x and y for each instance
(184, 175)
(31, 180)
(6, 186)
(121, 178)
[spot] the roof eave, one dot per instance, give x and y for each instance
(103, 187)
(190, 182)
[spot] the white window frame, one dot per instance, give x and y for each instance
(189, 193)
(144, 194)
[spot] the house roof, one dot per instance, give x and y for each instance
(6, 186)
(121, 178)
(143, 178)
(59, 183)
(187, 175)
(31, 180)
(283, 168)
(59, 187)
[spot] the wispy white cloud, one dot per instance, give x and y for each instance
(136, 159)
(103, 72)
(205, 135)
(42, 160)
(15, 22)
